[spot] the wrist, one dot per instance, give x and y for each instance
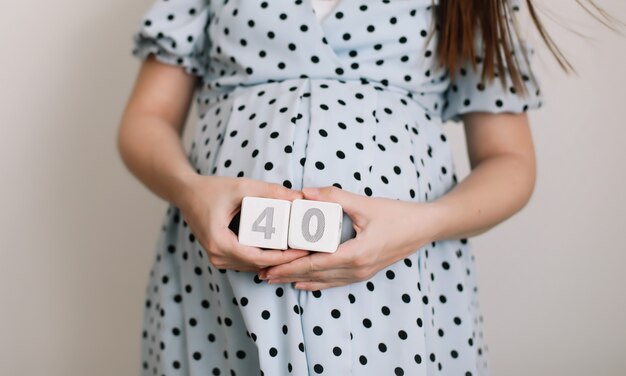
(437, 219)
(182, 187)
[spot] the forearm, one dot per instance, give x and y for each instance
(152, 150)
(496, 189)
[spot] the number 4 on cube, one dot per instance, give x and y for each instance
(264, 222)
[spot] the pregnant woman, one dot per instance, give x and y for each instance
(345, 96)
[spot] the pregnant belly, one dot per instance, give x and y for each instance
(318, 132)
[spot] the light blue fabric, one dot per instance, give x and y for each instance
(354, 101)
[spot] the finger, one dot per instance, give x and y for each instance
(271, 258)
(267, 257)
(351, 203)
(234, 264)
(263, 257)
(274, 190)
(263, 271)
(296, 267)
(287, 280)
(340, 259)
(319, 276)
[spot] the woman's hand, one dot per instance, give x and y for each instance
(209, 203)
(387, 230)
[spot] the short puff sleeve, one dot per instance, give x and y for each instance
(175, 31)
(469, 93)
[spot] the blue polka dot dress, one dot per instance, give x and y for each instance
(353, 100)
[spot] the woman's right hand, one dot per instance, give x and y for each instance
(208, 204)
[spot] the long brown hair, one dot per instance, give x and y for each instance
(462, 22)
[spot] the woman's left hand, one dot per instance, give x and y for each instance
(387, 230)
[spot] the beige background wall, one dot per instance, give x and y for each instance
(77, 231)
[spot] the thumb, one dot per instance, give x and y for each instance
(351, 203)
(278, 191)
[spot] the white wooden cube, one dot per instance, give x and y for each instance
(264, 222)
(315, 225)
